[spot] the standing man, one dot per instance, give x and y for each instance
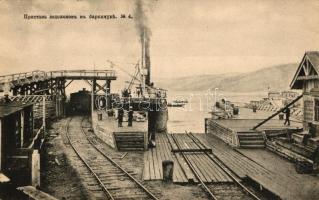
(287, 112)
(120, 114)
(130, 116)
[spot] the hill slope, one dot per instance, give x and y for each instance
(276, 77)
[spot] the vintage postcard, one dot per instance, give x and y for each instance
(159, 99)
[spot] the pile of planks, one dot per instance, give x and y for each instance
(49, 110)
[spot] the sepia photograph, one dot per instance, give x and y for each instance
(159, 99)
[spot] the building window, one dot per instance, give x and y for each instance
(316, 110)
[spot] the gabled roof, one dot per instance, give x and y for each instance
(313, 58)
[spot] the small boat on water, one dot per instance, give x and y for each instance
(177, 103)
(185, 101)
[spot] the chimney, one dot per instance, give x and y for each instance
(147, 60)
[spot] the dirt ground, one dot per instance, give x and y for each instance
(58, 177)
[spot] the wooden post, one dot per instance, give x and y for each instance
(22, 128)
(92, 107)
(107, 94)
(0, 145)
(43, 118)
(145, 141)
(168, 170)
(35, 168)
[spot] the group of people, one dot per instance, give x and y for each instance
(120, 115)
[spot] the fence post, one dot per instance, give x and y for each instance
(43, 112)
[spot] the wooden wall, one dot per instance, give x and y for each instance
(228, 135)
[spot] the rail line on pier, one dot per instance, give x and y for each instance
(113, 180)
(212, 192)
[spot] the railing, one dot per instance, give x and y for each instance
(42, 75)
(9, 81)
(82, 73)
(22, 77)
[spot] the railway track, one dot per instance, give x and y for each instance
(235, 190)
(106, 178)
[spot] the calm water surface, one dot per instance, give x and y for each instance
(191, 116)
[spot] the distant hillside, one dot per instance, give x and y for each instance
(276, 77)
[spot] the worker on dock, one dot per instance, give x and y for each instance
(130, 116)
(287, 112)
(120, 114)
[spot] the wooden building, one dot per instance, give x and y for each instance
(307, 79)
(16, 130)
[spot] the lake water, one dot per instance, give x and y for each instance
(191, 116)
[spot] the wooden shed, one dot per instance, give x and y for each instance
(16, 129)
(307, 79)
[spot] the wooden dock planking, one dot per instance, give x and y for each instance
(187, 171)
(180, 171)
(196, 168)
(152, 172)
(157, 164)
(220, 174)
(160, 158)
(209, 168)
(240, 165)
(203, 168)
(204, 164)
(154, 157)
(146, 170)
(181, 177)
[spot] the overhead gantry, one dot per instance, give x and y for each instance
(54, 82)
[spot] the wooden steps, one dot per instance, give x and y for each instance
(251, 140)
(126, 141)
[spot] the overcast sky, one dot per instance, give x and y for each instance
(188, 37)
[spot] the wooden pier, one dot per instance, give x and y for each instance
(239, 133)
(284, 182)
(208, 171)
(54, 82)
(123, 138)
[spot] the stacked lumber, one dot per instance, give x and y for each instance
(49, 110)
(128, 141)
(286, 151)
